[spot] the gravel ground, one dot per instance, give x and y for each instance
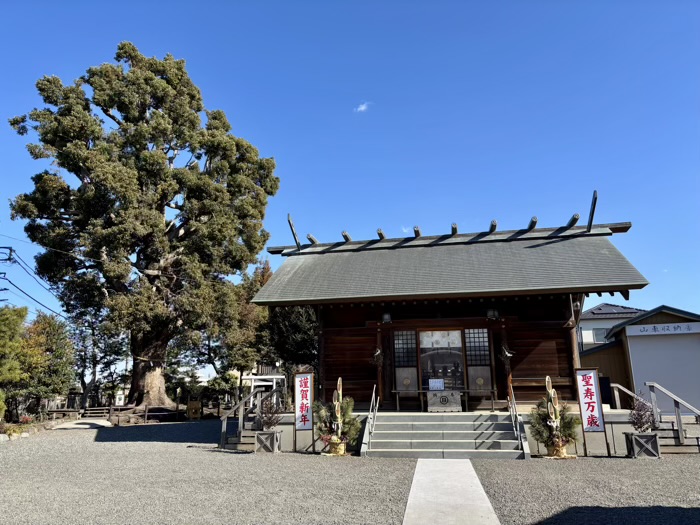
(594, 490)
(172, 474)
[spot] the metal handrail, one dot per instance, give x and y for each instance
(369, 426)
(677, 402)
(258, 404)
(513, 409)
(617, 387)
(238, 406)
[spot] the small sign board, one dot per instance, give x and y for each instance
(663, 329)
(589, 400)
(436, 384)
(303, 401)
(444, 401)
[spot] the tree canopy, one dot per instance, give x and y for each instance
(11, 331)
(149, 205)
(36, 361)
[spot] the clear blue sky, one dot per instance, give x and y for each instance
(474, 111)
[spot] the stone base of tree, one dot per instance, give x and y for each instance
(558, 453)
(642, 445)
(337, 448)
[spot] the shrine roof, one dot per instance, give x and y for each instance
(518, 262)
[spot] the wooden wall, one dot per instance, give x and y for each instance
(347, 353)
(541, 349)
(611, 362)
(535, 332)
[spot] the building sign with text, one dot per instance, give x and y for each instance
(663, 329)
(589, 400)
(303, 400)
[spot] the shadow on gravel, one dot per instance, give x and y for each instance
(626, 515)
(206, 431)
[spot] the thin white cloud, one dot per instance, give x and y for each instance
(362, 108)
(405, 229)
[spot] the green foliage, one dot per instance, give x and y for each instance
(150, 208)
(98, 352)
(48, 357)
(543, 431)
(324, 416)
(294, 335)
(11, 333)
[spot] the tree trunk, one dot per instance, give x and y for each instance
(147, 380)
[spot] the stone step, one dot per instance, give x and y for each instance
(446, 454)
(667, 433)
(449, 417)
(442, 434)
(679, 449)
(243, 447)
(445, 444)
(472, 426)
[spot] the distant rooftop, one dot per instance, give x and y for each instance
(610, 311)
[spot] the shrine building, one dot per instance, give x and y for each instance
(470, 312)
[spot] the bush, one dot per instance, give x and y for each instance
(325, 425)
(271, 414)
(642, 415)
(543, 432)
(26, 419)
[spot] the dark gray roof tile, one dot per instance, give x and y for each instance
(563, 264)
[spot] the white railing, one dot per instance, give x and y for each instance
(369, 425)
(677, 402)
(616, 393)
(513, 409)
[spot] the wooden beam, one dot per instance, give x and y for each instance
(533, 223)
(416, 231)
(573, 220)
(346, 236)
(311, 238)
(381, 234)
(454, 228)
(625, 294)
(594, 201)
(294, 231)
(493, 226)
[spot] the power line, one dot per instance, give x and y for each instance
(33, 299)
(31, 274)
(51, 249)
(30, 267)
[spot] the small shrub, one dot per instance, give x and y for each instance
(351, 426)
(544, 433)
(642, 416)
(26, 419)
(271, 414)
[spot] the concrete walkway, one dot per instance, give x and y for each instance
(83, 424)
(448, 492)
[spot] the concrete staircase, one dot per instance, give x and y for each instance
(669, 438)
(244, 443)
(453, 435)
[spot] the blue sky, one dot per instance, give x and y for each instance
(395, 114)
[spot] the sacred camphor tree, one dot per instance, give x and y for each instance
(144, 210)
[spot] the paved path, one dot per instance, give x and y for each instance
(448, 492)
(84, 424)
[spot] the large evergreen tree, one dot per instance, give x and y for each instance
(145, 210)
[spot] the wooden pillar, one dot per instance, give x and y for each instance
(380, 367)
(573, 337)
(321, 364)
